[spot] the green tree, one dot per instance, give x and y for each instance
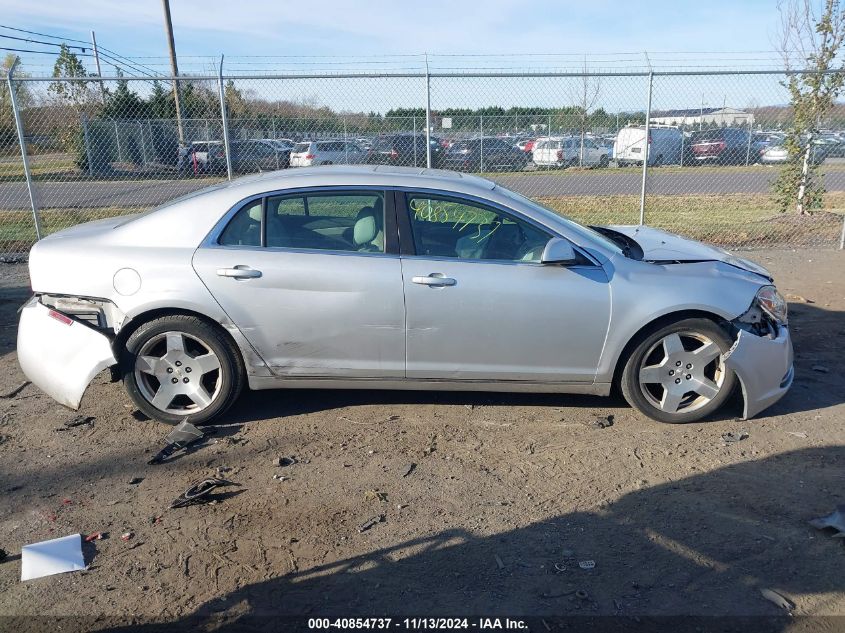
(160, 105)
(810, 43)
(235, 102)
(124, 103)
(8, 131)
(71, 85)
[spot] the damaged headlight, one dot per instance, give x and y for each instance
(772, 303)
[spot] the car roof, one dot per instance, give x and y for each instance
(352, 175)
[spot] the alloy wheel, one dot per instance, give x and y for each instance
(178, 373)
(682, 372)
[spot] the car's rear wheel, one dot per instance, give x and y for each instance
(604, 161)
(178, 367)
(676, 374)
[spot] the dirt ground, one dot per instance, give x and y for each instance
(508, 494)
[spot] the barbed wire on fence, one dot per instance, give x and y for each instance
(582, 142)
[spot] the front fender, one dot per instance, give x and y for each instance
(59, 355)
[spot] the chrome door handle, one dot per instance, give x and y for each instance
(434, 279)
(239, 272)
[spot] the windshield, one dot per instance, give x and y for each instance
(586, 231)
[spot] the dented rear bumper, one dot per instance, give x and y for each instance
(60, 355)
(764, 368)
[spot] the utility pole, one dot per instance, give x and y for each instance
(168, 27)
(97, 62)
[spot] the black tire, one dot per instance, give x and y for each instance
(231, 369)
(632, 389)
(604, 161)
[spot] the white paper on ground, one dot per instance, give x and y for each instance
(52, 557)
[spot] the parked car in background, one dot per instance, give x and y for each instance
(777, 154)
(247, 156)
(664, 145)
(259, 155)
(206, 157)
(330, 152)
(484, 154)
(721, 146)
(527, 145)
(404, 149)
(565, 151)
(395, 278)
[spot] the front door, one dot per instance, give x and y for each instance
(310, 280)
(481, 306)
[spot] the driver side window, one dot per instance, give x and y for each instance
(446, 227)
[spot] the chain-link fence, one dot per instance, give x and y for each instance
(712, 143)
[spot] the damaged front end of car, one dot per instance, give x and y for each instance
(761, 355)
(63, 342)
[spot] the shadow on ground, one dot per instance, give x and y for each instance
(712, 541)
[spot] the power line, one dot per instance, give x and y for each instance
(26, 50)
(55, 37)
(25, 39)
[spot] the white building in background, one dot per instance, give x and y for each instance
(723, 117)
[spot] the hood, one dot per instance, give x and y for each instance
(659, 246)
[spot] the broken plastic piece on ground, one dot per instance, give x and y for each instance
(734, 436)
(587, 564)
(56, 556)
(199, 492)
(96, 536)
(370, 523)
(80, 420)
(183, 435)
(376, 495)
(126, 536)
(16, 390)
(777, 599)
(835, 520)
(602, 423)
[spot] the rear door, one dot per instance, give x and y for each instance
(314, 282)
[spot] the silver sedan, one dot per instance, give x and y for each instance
(395, 278)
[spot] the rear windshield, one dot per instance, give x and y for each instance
(301, 147)
(383, 143)
(707, 135)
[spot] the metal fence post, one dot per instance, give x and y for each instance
(87, 144)
(748, 149)
(427, 115)
(24, 159)
(481, 130)
(117, 141)
(224, 119)
(842, 237)
(345, 143)
(414, 117)
(647, 147)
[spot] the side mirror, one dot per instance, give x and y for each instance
(558, 251)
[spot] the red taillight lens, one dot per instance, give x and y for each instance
(721, 145)
(310, 156)
(560, 154)
(394, 154)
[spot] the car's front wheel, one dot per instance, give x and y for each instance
(677, 374)
(178, 367)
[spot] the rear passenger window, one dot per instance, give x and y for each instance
(245, 228)
(351, 221)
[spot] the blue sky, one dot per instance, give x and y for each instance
(674, 33)
(334, 27)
